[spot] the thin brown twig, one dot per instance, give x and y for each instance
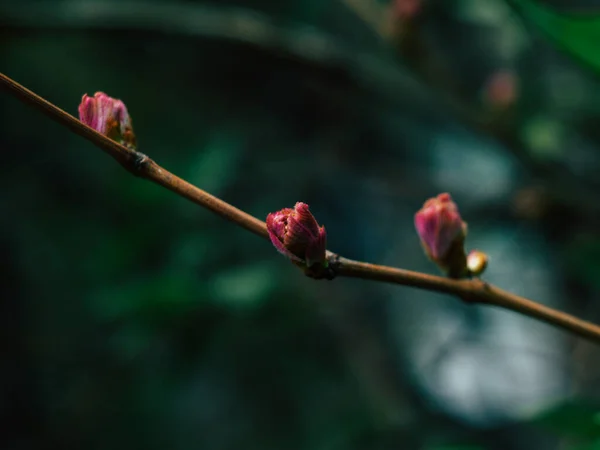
(470, 290)
(136, 162)
(388, 80)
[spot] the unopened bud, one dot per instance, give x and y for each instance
(477, 262)
(296, 234)
(442, 232)
(108, 116)
(406, 9)
(501, 89)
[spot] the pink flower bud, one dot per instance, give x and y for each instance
(442, 233)
(296, 234)
(108, 116)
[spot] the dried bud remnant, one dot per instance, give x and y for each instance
(442, 233)
(296, 234)
(477, 262)
(108, 116)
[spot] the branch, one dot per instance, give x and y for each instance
(388, 80)
(378, 74)
(135, 162)
(473, 291)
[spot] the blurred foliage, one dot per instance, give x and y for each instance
(131, 318)
(578, 32)
(576, 419)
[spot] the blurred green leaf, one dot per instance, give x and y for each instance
(577, 419)
(545, 137)
(593, 446)
(214, 166)
(244, 286)
(456, 447)
(168, 294)
(577, 33)
(582, 258)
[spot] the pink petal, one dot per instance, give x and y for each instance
(276, 227)
(439, 224)
(315, 252)
(306, 219)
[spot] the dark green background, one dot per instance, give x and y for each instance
(133, 319)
